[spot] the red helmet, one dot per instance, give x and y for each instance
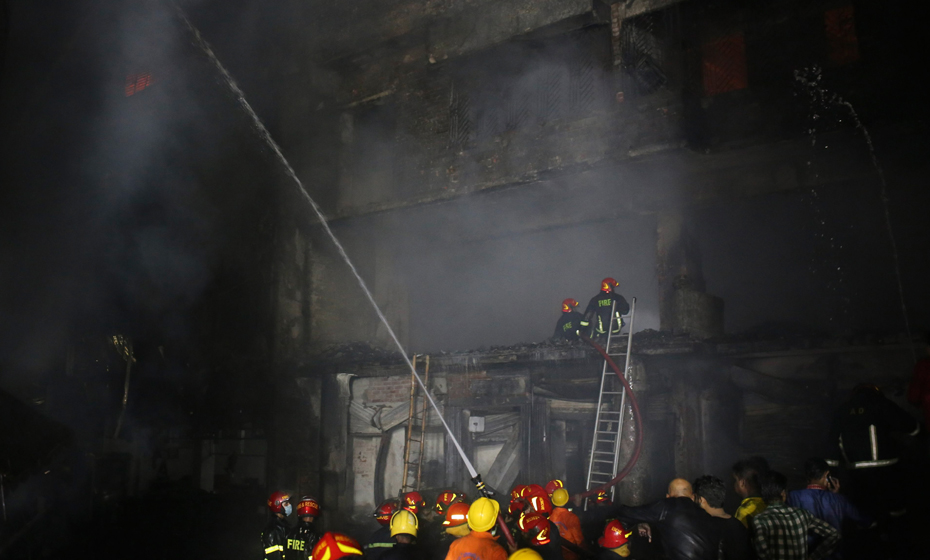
(567, 304)
(517, 505)
(536, 527)
(602, 498)
(277, 500)
(537, 498)
(615, 535)
(413, 501)
(456, 514)
(608, 285)
(553, 485)
(308, 506)
(517, 491)
(385, 511)
(447, 498)
(333, 546)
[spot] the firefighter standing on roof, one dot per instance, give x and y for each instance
(597, 315)
(570, 322)
(302, 538)
(274, 537)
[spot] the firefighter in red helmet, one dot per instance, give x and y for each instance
(570, 322)
(302, 538)
(413, 501)
(542, 536)
(274, 537)
(615, 542)
(597, 316)
(333, 546)
(381, 540)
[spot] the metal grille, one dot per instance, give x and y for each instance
(642, 52)
(723, 64)
(460, 125)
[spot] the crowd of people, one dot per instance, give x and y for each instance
(545, 523)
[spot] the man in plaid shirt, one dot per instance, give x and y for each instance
(780, 531)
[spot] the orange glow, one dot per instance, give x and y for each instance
(138, 82)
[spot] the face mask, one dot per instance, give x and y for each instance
(288, 509)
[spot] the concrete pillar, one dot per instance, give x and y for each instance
(684, 306)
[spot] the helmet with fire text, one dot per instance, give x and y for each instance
(517, 491)
(413, 501)
(537, 529)
(602, 499)
(308, 506)
(385, 511)
(482, 515)
(568, 304)
(608, 285)
(456, 514)
(560, 497)
(552, 485)
(333, 546)
(615, 535)
(280, 502)
(525, 554)
(404, 522)
(446, 499)
(537, 498)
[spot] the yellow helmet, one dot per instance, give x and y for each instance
(560, 497)
(404, 522)
(482, 515)
(525, 554)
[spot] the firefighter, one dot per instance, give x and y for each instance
(567, 522)
(333, 546)
(404, 527)
(302, 538)
(554, 484)
(861, 438)
(570, 322)
(381, 541)
(446, 499)
(413, 501)
(525, 554)
(597, 316)
(274, 537)
(455, 525)
(479, 543)
(542, 536)
(615, 542)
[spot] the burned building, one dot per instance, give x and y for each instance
(752, 175)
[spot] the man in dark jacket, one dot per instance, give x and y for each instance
(404, 525)
(709, 493)
(597, 317)
(687, 531)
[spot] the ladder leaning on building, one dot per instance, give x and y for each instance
(611, 407)
(416, 430)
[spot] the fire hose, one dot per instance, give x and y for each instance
(638, 433)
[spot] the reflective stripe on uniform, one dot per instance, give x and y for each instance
(870, 464)
(833, 462)
(916, 430)
(274, 548)
(873, 441)
(380, 545)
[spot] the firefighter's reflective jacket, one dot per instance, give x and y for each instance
(274, 538)
(598, 312)
(860, 436)
(568, 326)
(300, 541)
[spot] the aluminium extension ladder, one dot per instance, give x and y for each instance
(611, 407)
(416, 430)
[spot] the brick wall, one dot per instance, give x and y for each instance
(388, 389)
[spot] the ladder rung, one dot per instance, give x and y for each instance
(612, 393)
(606, 432)
(611, 412)
(603, 461)
(603, 453)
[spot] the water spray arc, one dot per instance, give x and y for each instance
(266, 136)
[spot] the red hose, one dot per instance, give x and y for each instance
(639, 422)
